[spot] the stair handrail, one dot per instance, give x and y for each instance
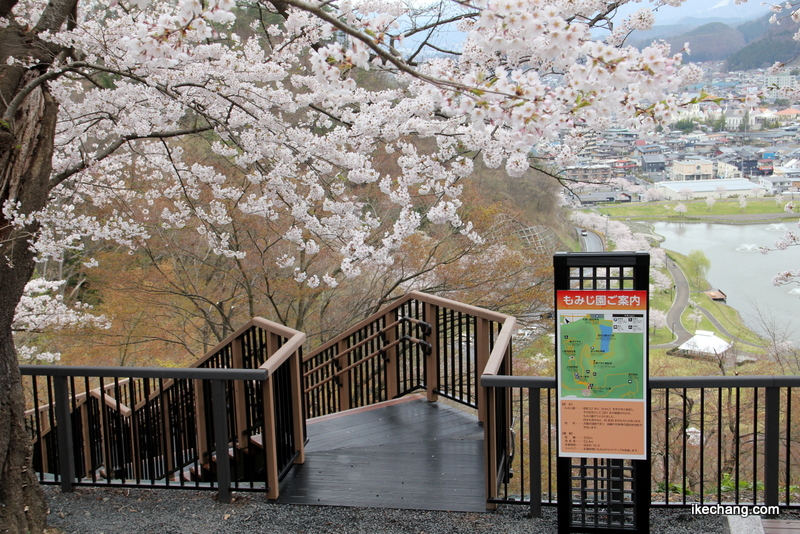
(294, 337)
(411, 295)
(503, 341)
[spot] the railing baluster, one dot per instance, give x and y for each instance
(219, 401)
(772, 417)
(737, 441)
(63, 428)
(755, 445)
(788, 457)
(666, 445)
(535, 433)
(702, 469)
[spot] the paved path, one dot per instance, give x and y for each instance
(679, 305)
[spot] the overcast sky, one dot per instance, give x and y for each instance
(703, 9)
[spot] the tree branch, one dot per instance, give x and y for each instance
(110, 149)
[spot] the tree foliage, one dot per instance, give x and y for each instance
(699, 263)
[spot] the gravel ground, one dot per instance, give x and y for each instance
(125, 511)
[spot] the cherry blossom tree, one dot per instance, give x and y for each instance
(619, 236)
(654, 195)
(710, 201)
(791, 238)
(680, 208)
(661, 281)
(99, 102)
(657, 319)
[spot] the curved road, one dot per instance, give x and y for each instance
(679, 305)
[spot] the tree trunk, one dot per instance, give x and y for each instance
(25, 166)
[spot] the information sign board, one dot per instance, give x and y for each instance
(602, 374)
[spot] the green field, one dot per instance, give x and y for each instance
(665, 210)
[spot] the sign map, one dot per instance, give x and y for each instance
(602, 373)
(601, 355)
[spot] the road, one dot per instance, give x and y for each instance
(591, 242)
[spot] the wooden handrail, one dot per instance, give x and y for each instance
(260, 322)
(292, 345)
(359, 344)
(500, 345)
(413, 295)
(80, 399)
(112, 402)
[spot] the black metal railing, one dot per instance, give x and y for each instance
(420, 342)
(727, 440)
(232, 421)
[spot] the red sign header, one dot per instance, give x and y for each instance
(599, 300)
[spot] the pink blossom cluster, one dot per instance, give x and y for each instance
(303, 105)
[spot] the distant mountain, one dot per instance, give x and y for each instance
(768, 43)
(699, 12)
(714, 41)
(749, 45)
(710, 42)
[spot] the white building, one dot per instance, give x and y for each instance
(776, 183)
(699, 189)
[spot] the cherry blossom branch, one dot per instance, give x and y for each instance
(115, 145)
(370, 42)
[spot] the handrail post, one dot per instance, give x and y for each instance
(490, 448)
(270, 438)
(66, 454)
(240, 411)
(432, 360)
(391, 356)
(482, 352)
(85, 439)
(298, 411)
(343, 378)
(200, 420)
(166, 410)
(772, 417)
(221, 440)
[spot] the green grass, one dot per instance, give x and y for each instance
(662, 336)
(661, 300)
(665, 211)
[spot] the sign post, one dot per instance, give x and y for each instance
(603, 468)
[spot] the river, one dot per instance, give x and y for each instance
(740, 270)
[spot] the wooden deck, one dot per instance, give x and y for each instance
(409, 455)
(780, 526)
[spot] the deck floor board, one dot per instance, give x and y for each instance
(411, 455)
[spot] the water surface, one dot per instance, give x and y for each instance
(740, 270)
